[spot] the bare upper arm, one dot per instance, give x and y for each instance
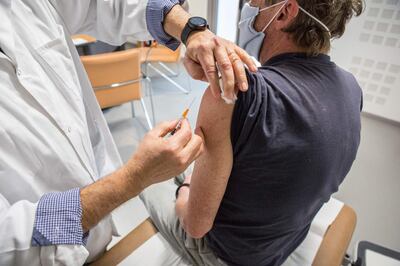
(213, 167)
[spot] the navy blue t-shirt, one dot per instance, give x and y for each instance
(295, 135)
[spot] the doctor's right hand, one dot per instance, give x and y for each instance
(158, 158)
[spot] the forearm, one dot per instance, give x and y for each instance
(212, 169)
(102, 197)
(175, 21)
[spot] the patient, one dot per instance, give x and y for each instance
(275, 157)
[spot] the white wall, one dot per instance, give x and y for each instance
(227, 19)
(370, 49)
(198, 8)
(375, 57)
(372, 187)
(227, 16)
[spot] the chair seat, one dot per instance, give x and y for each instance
(324, 245)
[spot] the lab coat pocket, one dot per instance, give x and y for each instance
(56, 58)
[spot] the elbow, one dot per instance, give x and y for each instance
(197, 231)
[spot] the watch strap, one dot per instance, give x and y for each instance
(179, 188)
(188, 29)
(186, 33)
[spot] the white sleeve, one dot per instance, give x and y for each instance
(111, 21)
(16, 227)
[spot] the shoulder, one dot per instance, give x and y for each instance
(215, 116)
(260, 85)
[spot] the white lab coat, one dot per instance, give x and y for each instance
(53, 136)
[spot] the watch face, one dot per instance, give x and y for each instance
(198, 22)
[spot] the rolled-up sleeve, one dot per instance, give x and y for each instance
(58, 220)
(155, 15)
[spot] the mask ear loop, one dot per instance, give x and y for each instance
(277, 13)
(259, 11)
(317, 20)
(274, 5)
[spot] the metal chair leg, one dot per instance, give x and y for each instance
(168, 78)
(150, 90)
(133, 110)
(146, 114)
(169, 70)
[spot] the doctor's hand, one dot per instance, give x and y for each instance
(206, 51)
(159, 158)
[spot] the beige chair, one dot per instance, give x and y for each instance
(117, 78)
(159, 55)
(330, 253)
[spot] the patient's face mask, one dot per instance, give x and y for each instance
(252, 40)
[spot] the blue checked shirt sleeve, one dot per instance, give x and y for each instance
(155, 14)
(58, 220)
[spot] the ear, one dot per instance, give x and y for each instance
(288, 14)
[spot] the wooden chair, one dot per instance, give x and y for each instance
(117, 78)
(337, 239)
(330, 253)
(159, 55)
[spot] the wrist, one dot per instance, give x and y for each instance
(194, 24)
(198, 35)
(133, 176)
(175, 21)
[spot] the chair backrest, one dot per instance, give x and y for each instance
(115, 77)
(160, 53)
(337, 239)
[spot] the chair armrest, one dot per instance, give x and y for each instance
(337, 239)
(127, 245)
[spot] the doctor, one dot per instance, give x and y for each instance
(60, 171)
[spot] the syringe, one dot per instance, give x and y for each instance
(184, 116)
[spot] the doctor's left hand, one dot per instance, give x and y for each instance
(206, 51)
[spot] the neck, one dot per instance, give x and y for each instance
(276, 46)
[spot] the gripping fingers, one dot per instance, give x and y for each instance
(162, 129)
(194, 69)
(245, 58)
(238, 68)
(183, 135)
(207, 62)
(226, 69)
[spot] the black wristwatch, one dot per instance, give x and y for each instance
(193, 24)
(179, 188)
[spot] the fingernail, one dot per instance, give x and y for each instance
(244, 86)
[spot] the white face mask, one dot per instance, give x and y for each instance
(252, 40)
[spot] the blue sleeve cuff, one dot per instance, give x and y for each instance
(58, 220)
(155, 13)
